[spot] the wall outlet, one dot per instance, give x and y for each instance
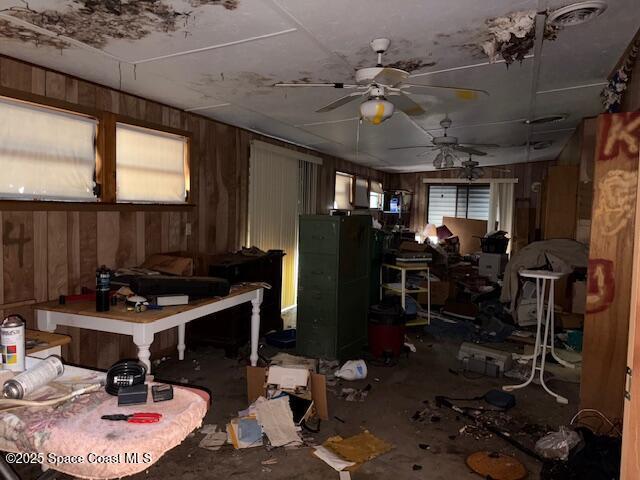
(187, 229)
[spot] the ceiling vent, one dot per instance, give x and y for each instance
(546, 119)
(576, 13)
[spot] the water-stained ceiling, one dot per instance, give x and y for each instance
(220, 58)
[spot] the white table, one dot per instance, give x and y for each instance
(544, 341)
(144, 325)
(402, 290)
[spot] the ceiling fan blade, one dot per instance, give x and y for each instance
(325, 85)
(471, 151)
(407, 105)
(390, 77)
(460, 92)
(415, 146)
(482, 145)
(341, 101)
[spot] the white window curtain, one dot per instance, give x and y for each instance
(501, 208)
(46, 153)
(150, 165)
(282, 185)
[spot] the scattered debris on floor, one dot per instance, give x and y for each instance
(359, 448)
(213, 439)
(496, 466)
(352, 370)
(557, 445)
(276, 418)
(355, 394)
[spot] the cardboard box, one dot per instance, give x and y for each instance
(579, 300)
(569, 321)
(440, 292)
(256, 387)
(492, 265)
(407, 246)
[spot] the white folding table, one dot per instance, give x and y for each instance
(142, 326)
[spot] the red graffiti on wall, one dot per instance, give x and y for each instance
(620, 132)
(601, 285)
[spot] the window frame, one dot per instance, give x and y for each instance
(105, 171)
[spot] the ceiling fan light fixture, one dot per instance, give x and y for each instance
(376, 110)
(449, 160)
(437, 162)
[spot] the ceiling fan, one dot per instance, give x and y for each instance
(385, 90)
(447, 146)
(471, 170)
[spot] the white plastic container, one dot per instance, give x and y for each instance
(352, 370)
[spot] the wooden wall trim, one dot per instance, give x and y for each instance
(41, 205)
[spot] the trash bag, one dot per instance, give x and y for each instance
(598, 458)
(557, 445)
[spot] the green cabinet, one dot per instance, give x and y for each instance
(333, 285)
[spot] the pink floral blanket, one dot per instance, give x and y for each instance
(73, 439)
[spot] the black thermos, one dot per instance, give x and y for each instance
(103, 285)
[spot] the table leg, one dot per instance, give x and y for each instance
(143, 338)
(545, 344)
(255, 327)
(181, 346)
(403, 279)
(536, 348)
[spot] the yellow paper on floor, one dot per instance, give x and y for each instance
(359, 448)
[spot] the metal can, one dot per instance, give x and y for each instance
(13, 343)
(27, 382)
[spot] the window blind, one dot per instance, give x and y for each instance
(150, 165)
(342, 196)
(461, 201)
(361, 197)
(46, 153)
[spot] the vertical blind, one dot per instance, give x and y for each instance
(461, 201)
(46, 153)
(150, 165)
(280, 188)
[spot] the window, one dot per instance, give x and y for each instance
(461, 201)
(46, 153)
(375, 195)
(343, 193)
(150, 165)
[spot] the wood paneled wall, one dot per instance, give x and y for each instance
(611, 253)
(527, 195)
(53, 249)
